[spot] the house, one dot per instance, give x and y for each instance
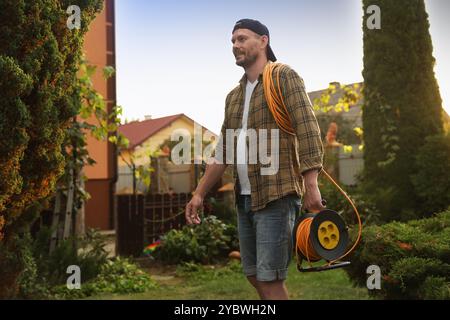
(99, 48)
(148, 136)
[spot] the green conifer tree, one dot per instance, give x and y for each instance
(39, 60)
(402, 104)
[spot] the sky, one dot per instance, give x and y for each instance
(176, 56)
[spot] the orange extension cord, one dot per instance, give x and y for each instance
(274, 99)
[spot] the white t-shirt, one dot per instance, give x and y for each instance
(242, 151)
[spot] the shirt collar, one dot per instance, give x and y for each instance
(243, 80)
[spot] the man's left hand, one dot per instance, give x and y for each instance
(313, 200)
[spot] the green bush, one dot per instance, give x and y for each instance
(419, 278)
(44, 275)
(402, 106)
(223, 210)
(432, 180)
(116, 276)
(337, 202)
(29, 282)
(414, 258)
(39, 60)
(204, 243)
(89, 256)
(44, 270)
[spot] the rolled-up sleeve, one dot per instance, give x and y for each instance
(303, 121)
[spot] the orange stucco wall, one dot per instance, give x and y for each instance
(95, 50)
(101, 52)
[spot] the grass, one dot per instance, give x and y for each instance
(227, 282)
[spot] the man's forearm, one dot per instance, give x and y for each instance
(310, 178)
(212, 174)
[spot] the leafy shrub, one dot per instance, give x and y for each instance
(116, 276)
(43, 270)
(337, 202)
(29, 282)
(432, 180)
(39, 59)
(89, 256)
(414, 277)
(223, 211)
(202, 243)
(44, 275)
(413, 257)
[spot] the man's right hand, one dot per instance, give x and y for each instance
(192, 208)
(212, 175)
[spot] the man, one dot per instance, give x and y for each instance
(266, 203)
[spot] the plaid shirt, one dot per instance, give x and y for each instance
(297, 154)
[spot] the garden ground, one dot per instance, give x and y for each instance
(226, 282)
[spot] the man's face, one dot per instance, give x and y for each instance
(247, 46)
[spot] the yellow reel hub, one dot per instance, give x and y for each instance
(328, 235)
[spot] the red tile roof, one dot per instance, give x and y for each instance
(139, 131)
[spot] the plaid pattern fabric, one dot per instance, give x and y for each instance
(297, 154)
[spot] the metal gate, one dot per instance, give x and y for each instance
(141, 220)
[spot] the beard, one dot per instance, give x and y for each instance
(247, 60)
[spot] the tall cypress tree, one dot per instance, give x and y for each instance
(39, 60)
(402, 104)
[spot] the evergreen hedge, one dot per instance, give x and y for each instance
(414, 258)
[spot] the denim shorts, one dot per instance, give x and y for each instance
(265, 236)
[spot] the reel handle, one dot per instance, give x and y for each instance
(324, 203)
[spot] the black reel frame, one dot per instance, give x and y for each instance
(326, 254)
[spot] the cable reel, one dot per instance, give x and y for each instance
(326, 238)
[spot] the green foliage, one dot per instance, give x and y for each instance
(116, 276)
(94, 106)
(432, 180)
(223, 211)
(44, 275)
(91, 105)
(14, 84)
(43, 270)
(337, 202)
(402, 105)
(446, 120)
(39, 58)
(332, 103)
(204, 243)
(346, 96)
(227, 282)
(419, 278)
(413, 257)
(88, 253)
(11, 264)
(141, 172)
